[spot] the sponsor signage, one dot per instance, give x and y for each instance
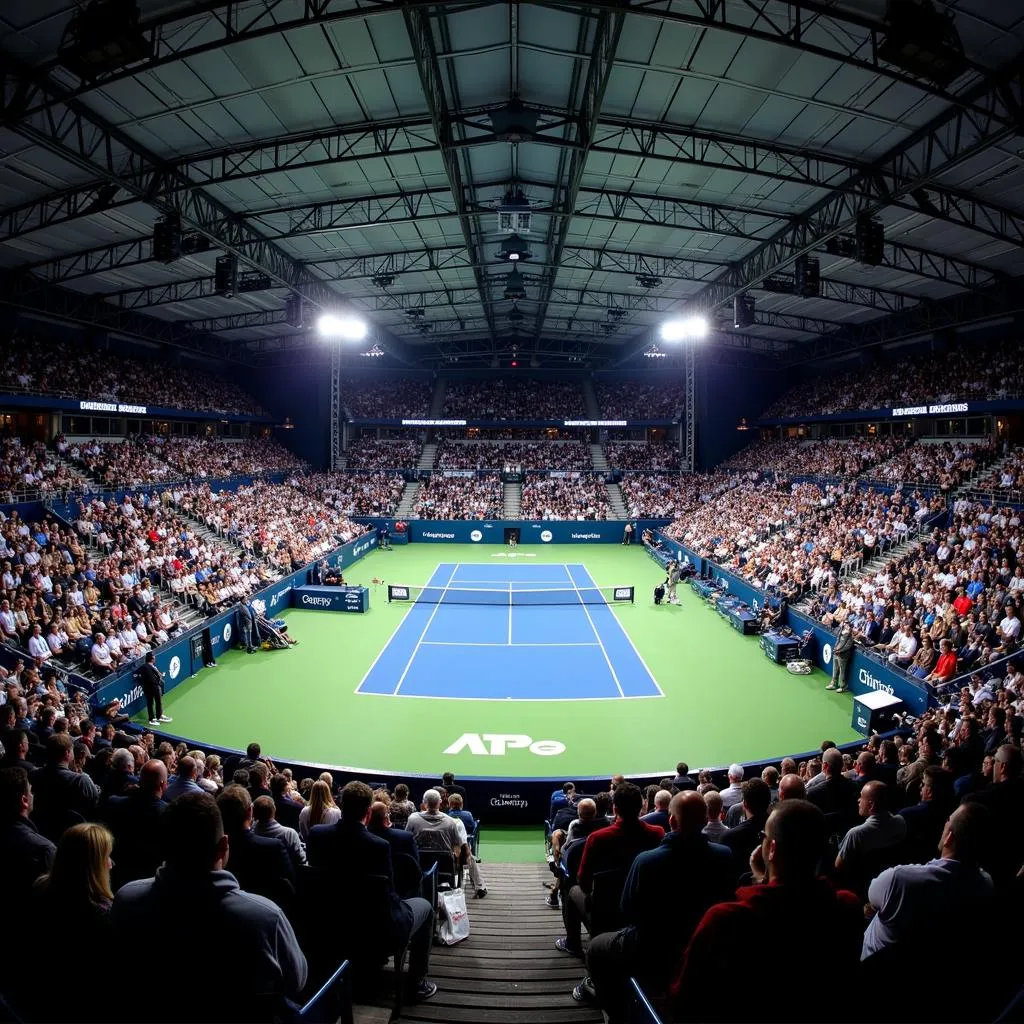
(931, 410)
(497, 744)
(133, 410)
(596, 423)
(476, 536)
(433, 423)
(331, 599)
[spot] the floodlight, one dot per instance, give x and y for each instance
(691, 328)
(343, 327)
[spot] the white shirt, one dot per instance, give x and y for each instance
(1010, 627)
(101, 654)
(907, 646)
(38, 647)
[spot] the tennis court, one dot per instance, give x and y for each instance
(511, 632)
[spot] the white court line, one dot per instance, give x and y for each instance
(408, 664)
(612, 608)
(597, 635)
(510, 614)
(394, 633)
(513, 700)
(532, 583)
(475, 643)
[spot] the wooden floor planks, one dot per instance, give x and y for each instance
(508, 970)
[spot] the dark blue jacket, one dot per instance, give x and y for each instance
(350, 851)
(669, 888)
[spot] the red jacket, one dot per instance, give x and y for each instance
(616, 847)
(740, 941)
(945, 667)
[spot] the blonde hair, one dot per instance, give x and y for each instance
(320, 801)
(81, 866)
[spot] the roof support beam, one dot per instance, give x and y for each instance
(956, 135)
(421, 35)
(970, 307)
(79, 136)
(607, 30)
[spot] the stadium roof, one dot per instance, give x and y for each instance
(672, 154)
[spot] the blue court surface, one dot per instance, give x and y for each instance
(507, 650)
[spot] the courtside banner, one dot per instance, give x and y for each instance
(331, 599)
(492, 531)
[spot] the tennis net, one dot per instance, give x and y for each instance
(508, 597)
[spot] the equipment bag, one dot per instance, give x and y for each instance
(659, 595)
(454, 917)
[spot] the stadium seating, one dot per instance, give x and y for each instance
(38, 365)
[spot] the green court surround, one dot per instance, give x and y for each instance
(724, 701)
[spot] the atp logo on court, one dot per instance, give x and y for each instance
(546, 536)
(174, 668)
(227, 632)
(476, 536)
(826, 653)
(497, 744)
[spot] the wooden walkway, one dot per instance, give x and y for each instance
(508, 970)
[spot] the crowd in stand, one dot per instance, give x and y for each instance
(960, 585)
(30, 469)
(376, 453)
(143, 459)
(639, 400)
(663, 496)
(945, 465)
(108, 833)
(874, 852)
(477, 497)
(639, 455)
(556, 455)
(391, 399)
(514, 400)
(356, 494)
(817, 458)
(43, 366)
(1009, 476)
(143, 544)
(968, 371)
(276, 522)
(550, 497)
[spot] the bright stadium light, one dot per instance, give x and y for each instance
(344, 327)
(691, 328)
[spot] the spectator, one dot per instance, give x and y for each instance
(135, 820)
(611, 848)
(733, 793)
(831, 791)
(26, 853)
(403, 844)
(348, 847)
(742, 839)
(1004, 798)
(321, 809)
(266, 826)
(927, 818)
(192, 885)
(682, 779)
(881, 836)
(793, 902)
(715, 827)
(433, 830)
(62, 796)
(685, 869)
(915, 902)
(401, 806)
(660, 814)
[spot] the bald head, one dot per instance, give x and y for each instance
(791, 787)
(378, 814)
(662, 799)
(153, 777)
(874, 798)
(587, 810)
(832, 762)
(687, 813)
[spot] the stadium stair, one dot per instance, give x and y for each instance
(512, 500)
(590, 400)
(508, 970)
(427, 456)
(87, 481)
(616, 502)
(340, 463)
(408, 499)
(598, 457)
